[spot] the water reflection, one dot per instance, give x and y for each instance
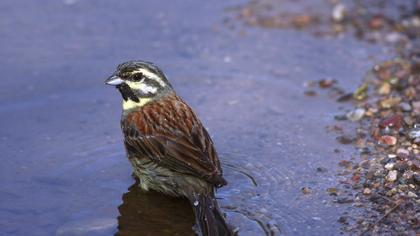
(152, 213)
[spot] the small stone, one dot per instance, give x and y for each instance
(343, 219)
(411, 194)
(343, 200)
(338, 12)
(361, 92)
(326, 83)
(401, 165)
(414, 133)
(332, 191)
(392, 156)
(391, 192)
(388, 140)
(392, 176)
(356, 114)
(384, 89)
(394, 121)
(416, 106)
(393, 37)
(405, 106)
(416, 178)
(340, 117)
(377, 22)
(403, 153)
(408, 174)
(367, 191)
(321, 169)
(345, 97)
(408, 120)
(306, 190)
(310, 93)
(390, 102)
(345, 139)
(389, 166)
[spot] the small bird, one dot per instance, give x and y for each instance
(167, 145)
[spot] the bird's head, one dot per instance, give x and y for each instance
(139, 82)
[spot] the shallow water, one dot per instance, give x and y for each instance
(63, 169)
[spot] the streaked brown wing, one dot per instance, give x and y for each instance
(189, 153)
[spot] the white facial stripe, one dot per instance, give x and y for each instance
(147, 89)
(141, 86)
(151, 75)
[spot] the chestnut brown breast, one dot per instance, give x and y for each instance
(168, 132)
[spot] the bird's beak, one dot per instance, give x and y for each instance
(114, 80)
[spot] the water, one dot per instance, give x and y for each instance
(63, 168)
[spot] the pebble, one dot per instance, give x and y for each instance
(388, 140)
(416, 106)
(408, 174)
(392, 156)
(403, 153)
(338, 12)
(384, 89)
(345, 139)
(392, 176)
(405, 106)
(390, 102)
(414, 133)
(394, 121)
(356, 114)
(332, 191)
(306, 190)
(389, 166)
(367, 191)
(411, 194)
(343, 200)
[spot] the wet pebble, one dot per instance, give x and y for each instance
(390, 102)
(345, 139)
(414, 133)
(412, 195)
(306, 190)
(367, 191)
(402, 153)
(394, 121)
(321, 169)
(405, 106)
(388, 140)
(392, 176)
(356, 114)
(332, 191)
(343, 200)
(384, 89)
(326, 83)
(338, 12)
(389, 166)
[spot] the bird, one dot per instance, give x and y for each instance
(167, 145)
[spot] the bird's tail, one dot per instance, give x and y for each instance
(209, 219)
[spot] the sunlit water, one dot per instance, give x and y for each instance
(63, 169)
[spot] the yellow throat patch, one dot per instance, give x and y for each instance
(128, 105)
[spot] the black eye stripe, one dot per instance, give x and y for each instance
(137, 76)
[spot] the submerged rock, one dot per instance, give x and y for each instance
(356, 114)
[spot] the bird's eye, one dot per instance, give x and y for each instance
(137, 77)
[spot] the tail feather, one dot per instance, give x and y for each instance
(208, 216)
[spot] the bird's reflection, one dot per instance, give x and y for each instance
(152, 213)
